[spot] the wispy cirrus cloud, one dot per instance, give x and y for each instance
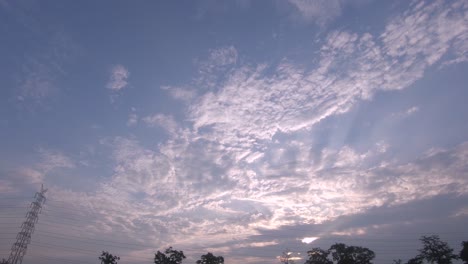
(118, 78)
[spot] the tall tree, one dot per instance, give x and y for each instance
(210, 259)
(464, 252)
(107, 258)
(343, 254)
(170, 256)
(318, 256)
(436, 251)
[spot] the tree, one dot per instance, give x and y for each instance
(415, 260)
(287, 257)
(170, 256)
(107, 258)
(343, 254)
(4, 261)
(318, 256)
(464, 252)
(210, 259)
(436, 251)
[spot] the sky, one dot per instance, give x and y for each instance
(233, 127)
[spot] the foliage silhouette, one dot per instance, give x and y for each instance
(343, 254)
(170, 256)
(436, 251)
(340, 253)
(415, 260)
(107, 258)
(318, 256)
(210, 259)
(464, 252)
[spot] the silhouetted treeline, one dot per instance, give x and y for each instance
(433, 250)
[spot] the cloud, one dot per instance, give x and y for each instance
(223, 56)
(180, 93)
(182, 200)
(219, 62)
(42, 71)
(426, 31)
(118, 78)
(38, 83)
(32, 175)
(52, 159)
(166, 122)
(132, 119)
(352, 67)
(244, 162)
(322, 11)
(408, 112)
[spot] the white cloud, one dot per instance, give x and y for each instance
(223, 56)
(132, 119)
(216, 208)
(321, 11)
(412, 110)
(180, 93)
(426, 30)
(252, 105)
(226, 175)
(34, 174)
(118, 78)
(238, 165)
(165, 121)
(219, 62)
(52, 159)
(408, 112)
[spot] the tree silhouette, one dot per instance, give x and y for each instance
(415, 260)
(210, 259)
(107, 258)
(436, 251)
(318, 256)
(464, 252)
(286, 257)
(343, 254)
(4, 261)
(170, 256)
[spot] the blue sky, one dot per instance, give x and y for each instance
(235, 127)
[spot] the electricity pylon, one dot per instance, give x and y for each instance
(18, 250)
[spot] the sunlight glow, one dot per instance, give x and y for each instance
(308, 240)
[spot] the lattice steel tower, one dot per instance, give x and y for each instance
(18, 250)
